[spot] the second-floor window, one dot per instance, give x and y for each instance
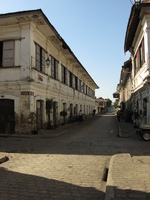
(40, 58)
(54, 68)
(64, 74)
(142, 53)
(7, 49)
(70, 79)
(139, 58)
(76, 82)
(80, 85)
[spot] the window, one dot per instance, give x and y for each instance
(80, 88)
(135, 65)
(139, 58)
(54, 68)
(40, 58)
(64, 74)
(7, 49)
(142, 53)
(83, 88)
(76, 82)
(70, 79)
(86, 90)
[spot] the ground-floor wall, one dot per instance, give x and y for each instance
(24, 106)
(139, 106)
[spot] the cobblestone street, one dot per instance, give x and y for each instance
(70, 166)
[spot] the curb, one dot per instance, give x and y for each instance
(43, 133)
(110, 186)
(120, 131)
(3, 158)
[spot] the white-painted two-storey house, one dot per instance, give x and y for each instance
(137, 41)
(27, 40)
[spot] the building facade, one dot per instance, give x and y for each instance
(101, 105)
(124, 87)
(137, 42)
(27, 40)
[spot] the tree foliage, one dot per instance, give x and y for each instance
(109, 102)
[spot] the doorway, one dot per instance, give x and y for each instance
(39, 114)
(7, 116)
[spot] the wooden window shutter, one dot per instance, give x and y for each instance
(138, 60)
(56, 69)
(62, 73)
(143, 51)
(66, 76)
(52, 67)
(38, 57)
(43, 60)
(8, 53)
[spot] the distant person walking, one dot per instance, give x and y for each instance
(80, 115)
(118, 115)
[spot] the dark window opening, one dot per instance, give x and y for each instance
(40, 58)
(70, 76)
(54, 68)
(1, 54)
(76, 83)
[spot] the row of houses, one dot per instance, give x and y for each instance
(37, 65)
(133, 90)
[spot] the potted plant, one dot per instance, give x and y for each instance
(32, 116)
(49, 106)
(64, 114)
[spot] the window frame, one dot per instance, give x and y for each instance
(54, 68)
(40, 58)
(7, 53)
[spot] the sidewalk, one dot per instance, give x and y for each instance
(44, 133)
(128, 177)
(125, 129)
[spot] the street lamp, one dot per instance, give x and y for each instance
(48, 61)
(136, 2)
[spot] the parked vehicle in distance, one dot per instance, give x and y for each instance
(144, 132)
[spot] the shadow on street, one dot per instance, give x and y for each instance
(97, 136)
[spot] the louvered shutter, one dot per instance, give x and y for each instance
(52, 67)
(8, 53)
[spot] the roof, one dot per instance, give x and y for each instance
(46, 28)
(133, 24)
(100, 99)
(125, 74)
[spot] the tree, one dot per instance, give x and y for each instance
(116, 104)
(49, 106)
(109, 102)
(64, 114)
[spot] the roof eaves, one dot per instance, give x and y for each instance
(55, 31)
(131, 27)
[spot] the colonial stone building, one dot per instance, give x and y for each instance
(125, 87)
(137, 42)
(27, 41)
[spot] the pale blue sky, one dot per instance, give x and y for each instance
(94, 30)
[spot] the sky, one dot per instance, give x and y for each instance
(93, 29)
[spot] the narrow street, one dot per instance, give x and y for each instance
(70, 167)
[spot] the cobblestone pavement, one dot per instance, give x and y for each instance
(73, 165)
(129, 175)
(129, 178)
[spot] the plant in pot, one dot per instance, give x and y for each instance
(32, 116)
(49, 106)
(64, 114)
